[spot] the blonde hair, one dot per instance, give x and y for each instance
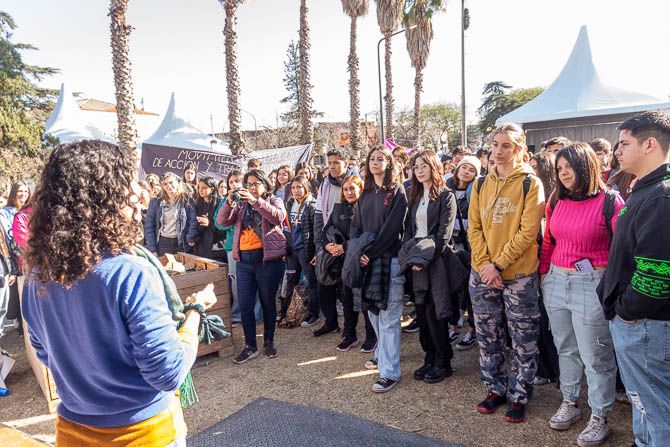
(516, 134)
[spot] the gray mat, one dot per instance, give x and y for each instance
(270, 423)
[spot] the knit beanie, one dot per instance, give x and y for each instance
(471, 160)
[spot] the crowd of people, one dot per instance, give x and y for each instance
(557, 262)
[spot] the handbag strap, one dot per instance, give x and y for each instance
(462, 233)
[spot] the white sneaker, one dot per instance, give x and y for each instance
(595, 433)
(568, 413)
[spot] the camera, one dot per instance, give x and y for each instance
(236, 195)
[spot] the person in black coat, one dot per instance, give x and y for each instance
(340, 218)
(205, 209)
(432, 212)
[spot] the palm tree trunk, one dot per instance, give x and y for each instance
(354, 84)
(305, 97)
(418, 87)
(123, 81)
(388, 98)
(232, 78)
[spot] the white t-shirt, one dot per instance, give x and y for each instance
(421, 220)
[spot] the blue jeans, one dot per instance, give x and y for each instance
(298, 263)
(387, 327)
(235, 308)
(581, 335)
(643, 353)
(263, 277)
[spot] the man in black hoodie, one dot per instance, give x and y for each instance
(635, 291)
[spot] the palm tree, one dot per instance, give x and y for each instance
(355, 9)
(232, 75)
(389, 15)
(419, 35)
(304, 86)
(123, 81)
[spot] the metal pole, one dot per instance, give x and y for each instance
(211, 123)
(381, 100)
(464, 127)
(379, 75)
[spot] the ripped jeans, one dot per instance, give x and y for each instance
(643, 351)
(581, 335)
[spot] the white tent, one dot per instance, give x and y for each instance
(68, 123)
(578, 92)
(178, 133)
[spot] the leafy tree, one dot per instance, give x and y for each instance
(24, 107)
(440, 126)
(499, 100)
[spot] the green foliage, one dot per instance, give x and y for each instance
(499, 100)
(24, 107)
(440, 122)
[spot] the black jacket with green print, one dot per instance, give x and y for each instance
(636, 284)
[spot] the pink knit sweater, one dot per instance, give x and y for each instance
(579, 231)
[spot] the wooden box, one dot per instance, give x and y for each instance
(43, 375)
(200, 272)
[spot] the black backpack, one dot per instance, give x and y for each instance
(608, 211)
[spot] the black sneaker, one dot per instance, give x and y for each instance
(347, 343)
(491, 403)
(270, 350)
(437, 374)
(323, 330)
(310, 321)
(383, 385)
(453, 336)
(420, 373)
(467, 342)
(412, 327)
(247, 354)
(371, 364)
(516, 413)
(369, 345)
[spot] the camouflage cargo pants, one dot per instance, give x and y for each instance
(518, 304)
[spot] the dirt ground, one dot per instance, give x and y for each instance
(310, 371)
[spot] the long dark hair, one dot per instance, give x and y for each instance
(76, 216)
(391, 176)
(546, 171)
(11, 200)
(433, 161)
(584, 163)
(187, 166)
(260, 175)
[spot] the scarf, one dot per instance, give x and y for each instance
(212, 325)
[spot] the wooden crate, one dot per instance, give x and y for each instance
(208, 271)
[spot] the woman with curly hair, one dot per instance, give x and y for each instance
(171, 224)
(285, 176)
(117, 377)
(380, 211)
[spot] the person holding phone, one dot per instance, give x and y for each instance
(97, 314)
(574, 255)
(259, 247)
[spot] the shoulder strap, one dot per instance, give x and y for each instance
(480, 182)
(526, 186)
(608, 211)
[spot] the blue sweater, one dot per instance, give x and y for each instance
(109, 341)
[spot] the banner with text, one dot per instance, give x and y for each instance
(161, 159)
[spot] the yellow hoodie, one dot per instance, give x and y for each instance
(503, 227)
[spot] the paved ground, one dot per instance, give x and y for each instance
(309, 371)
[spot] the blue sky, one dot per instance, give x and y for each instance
(177, 45)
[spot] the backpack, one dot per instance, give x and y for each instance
(526, 185)
(608, 211)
